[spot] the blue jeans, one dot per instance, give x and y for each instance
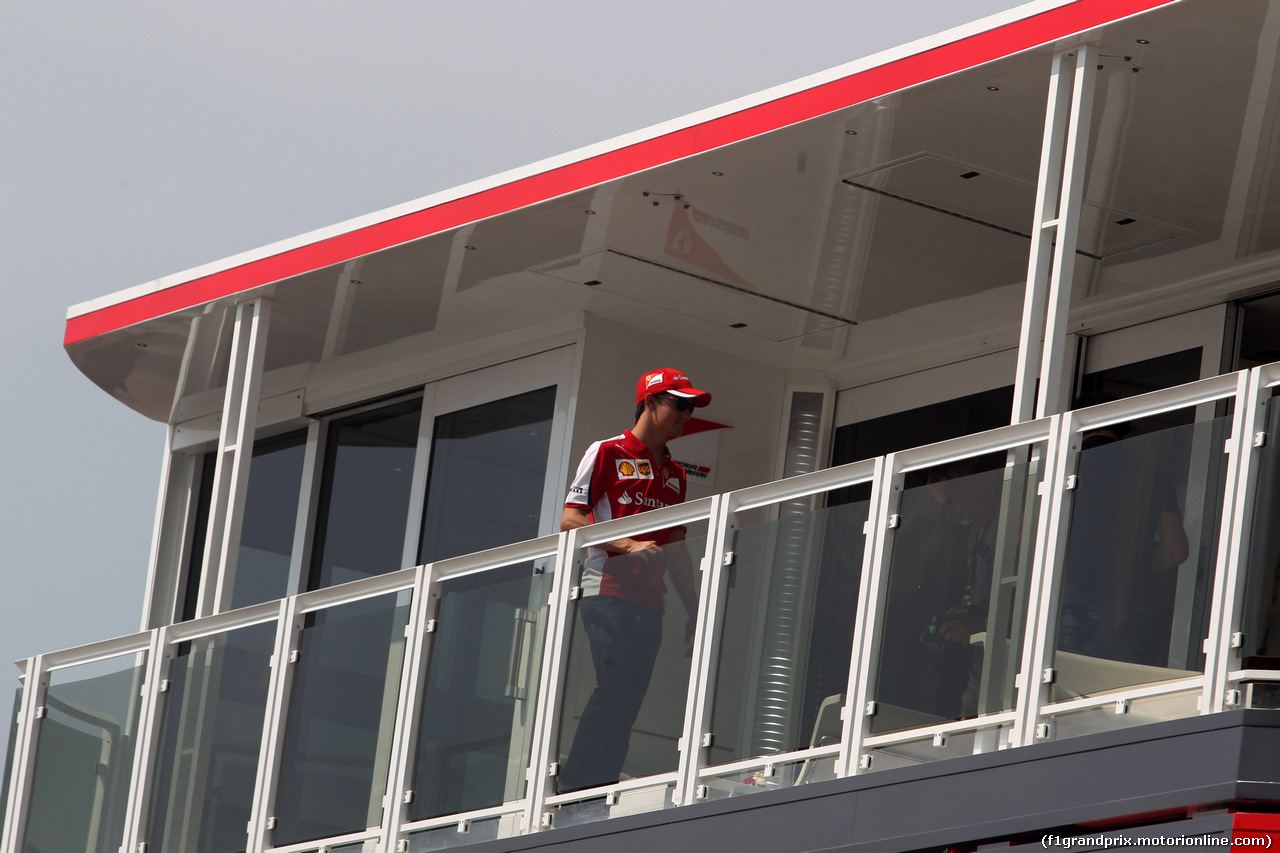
(624, 638)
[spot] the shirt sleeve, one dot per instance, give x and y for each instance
(580, 495)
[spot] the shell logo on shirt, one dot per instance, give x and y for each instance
(634, 469)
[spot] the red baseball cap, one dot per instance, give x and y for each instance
(673, 382)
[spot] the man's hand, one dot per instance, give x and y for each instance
(574, 517)
(645, 549)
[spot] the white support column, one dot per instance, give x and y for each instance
(413, 686)
(1243, 471)
(555, 660)
(1051, 539)
(23, 761)
(867, 618)
(235, 452)
(1051, 263)
(288, 639)
(872, 599)
(1067, 229)
(308, 508)
(713, 592)
(344, 300)
(418, 483)
(148, 739)
(174, 507)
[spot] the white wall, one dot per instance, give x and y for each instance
(745, 395)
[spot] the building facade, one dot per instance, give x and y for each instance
(981, 517)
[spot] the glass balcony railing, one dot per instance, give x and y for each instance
(1039, 581)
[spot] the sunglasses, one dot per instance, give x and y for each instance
(681, 404)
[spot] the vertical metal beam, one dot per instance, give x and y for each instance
(1067, 229)
(872, 600)
(288, 639)
(1232, 569)
(36, 682)
(1042, 595)
(1055, 232)
(174, 508)
(235, 452)
(148, 740)
(418, 483)
(308, 507)
(344, 300)
(702, 674)
(413, 678)
(867, 617)
(554, 668)
(1052, 146)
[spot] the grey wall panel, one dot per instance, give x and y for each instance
(1155, 775)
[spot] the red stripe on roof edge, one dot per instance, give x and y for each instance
(857, 88)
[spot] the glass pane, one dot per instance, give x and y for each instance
(1138, 712)
(210, 735)
(956, 601)
(495, 455)
(783, 775)
(1140, 556)
(199, 535)
(445, 837)
(1261, 621)
(84, 757)
(633, 801)
(365, 496)
(953, 745)
(922, 425)
(481, 692)
(788, 631)
(628, 673)
(1139, 377)
(341, 716)
(270, 515)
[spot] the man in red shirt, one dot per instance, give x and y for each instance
(623, 581)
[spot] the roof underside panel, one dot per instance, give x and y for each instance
(183, 293)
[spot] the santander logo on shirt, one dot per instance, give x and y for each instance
(639, 499)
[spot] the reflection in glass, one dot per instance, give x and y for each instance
(495, 455)
(341, 716)
(633, 801)
(84, 757)
(481, 692)
(788, 632)
(210, 734)
(364, 500)
(628, 674)
(952, 745)
(1262, 588)
(446, 837)
(1136, 712)
(956, 600)
(1140, 556)
(784, 775)
(270, 515)
(199, 535)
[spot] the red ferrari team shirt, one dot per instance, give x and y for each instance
(619, 477)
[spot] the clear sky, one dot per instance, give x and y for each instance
(143, 138)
